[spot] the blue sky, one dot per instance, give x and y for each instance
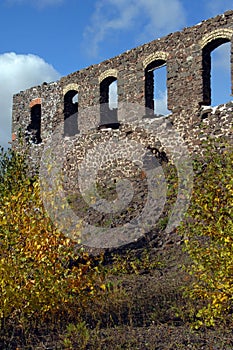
(42, 40)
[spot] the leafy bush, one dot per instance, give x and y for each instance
(209, 236)
(37, 280)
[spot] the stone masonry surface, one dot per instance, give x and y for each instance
(77, 108)
(187, 58)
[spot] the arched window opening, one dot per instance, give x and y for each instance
(71, 113)
(34, 128)
(216, 72)
(109, 103)
(156, 88)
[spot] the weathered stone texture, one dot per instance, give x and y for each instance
(187, 85)
(131, 141)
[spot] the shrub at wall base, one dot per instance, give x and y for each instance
(209, 237)
(36, 280)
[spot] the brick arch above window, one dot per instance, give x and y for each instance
(108, 73)
(159, 55)
(224, 33)
(70, 87)
(35, 101)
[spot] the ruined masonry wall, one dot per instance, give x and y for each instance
(183, 53)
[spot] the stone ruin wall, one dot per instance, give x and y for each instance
(187, 58)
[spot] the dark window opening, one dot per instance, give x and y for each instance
(215, 72)
(34, 128)
(71, 113)
(109, 103)
(156, 88)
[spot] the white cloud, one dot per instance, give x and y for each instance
(19, 72)
(222, 57)
(160, 104)
(218, 6)
(163, 17)
(113, 97)
(148, 19)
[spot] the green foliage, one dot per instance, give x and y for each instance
(209, 236)
(47, 289)
(36, 280)
(76, 336)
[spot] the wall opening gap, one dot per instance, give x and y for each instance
(34, 128)
(216, 72)
(221, 74)
(160, 91)
(71, 113)
(109, 103)
(156, 88)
